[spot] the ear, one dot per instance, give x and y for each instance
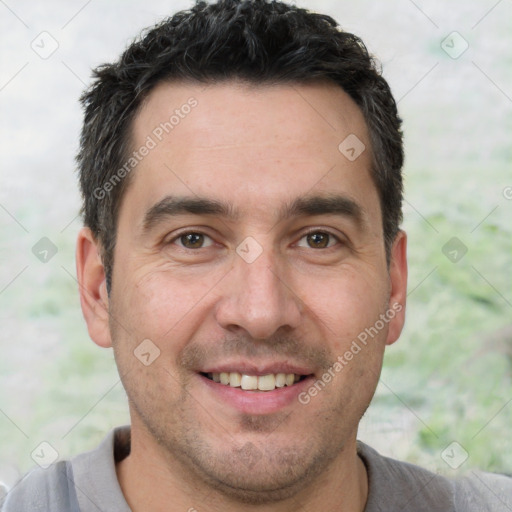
(398, 280)
(93, 288)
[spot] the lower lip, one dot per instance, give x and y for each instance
(257, 402)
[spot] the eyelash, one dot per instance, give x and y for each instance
(325, 232)
(310, 232)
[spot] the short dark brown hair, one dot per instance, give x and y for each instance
(258, 41)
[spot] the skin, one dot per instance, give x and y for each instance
(256, 148)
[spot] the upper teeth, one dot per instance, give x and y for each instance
(253, 382)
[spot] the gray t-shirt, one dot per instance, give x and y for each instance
(88, 483)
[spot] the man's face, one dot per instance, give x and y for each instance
(248, 244)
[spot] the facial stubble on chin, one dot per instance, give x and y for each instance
(239, 471)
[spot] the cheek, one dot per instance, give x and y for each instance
(154, 302)
(345, 304)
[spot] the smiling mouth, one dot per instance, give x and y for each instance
(246, 382)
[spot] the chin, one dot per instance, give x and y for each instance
(253, 476)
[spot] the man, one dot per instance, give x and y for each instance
(241, 174)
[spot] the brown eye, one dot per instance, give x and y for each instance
(193, 240)
(318, 240)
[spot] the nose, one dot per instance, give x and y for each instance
(258, 298)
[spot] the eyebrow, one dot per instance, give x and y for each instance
(333, 204)
(172, 206)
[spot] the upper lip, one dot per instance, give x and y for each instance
(257, 369)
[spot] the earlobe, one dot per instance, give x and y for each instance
(398, 279)
(92, 287)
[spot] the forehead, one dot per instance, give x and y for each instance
(237, 142)
(240, 113)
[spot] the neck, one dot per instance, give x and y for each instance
(150, 481)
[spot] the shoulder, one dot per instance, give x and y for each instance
(396, 485)
(70, 485)
(42, 490)
(484, 491)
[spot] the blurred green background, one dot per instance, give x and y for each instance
(449, 376)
